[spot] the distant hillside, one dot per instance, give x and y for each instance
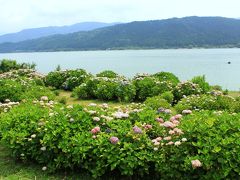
(35, 33)
(186, 32)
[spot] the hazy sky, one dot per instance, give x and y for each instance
(19, 14)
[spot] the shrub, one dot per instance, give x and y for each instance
(167, 76)
(24, 75)
(75, 78)
(168, 96)
(216, 87)
(82, 92)
(91, 86)
(108, 74)
(214, 143)
(18, 90)
(161, 87)
(208, 102)
(157, 102)
(125, 91)
(147, 86)
(59, 137)
(35, 92)
(201, 81)
(8, 65)
(56, 79)
(106, 90)
(144, 87)
(10, 89)
(100, 140)
(185, 89)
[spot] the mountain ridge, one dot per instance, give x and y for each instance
(35, 33)
(187, 32)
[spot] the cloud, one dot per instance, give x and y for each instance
(19, 14)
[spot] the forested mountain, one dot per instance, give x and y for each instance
(35, 33)
(185, 32)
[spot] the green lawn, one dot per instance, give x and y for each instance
(11, 170)
(73, 100)
(234, 93)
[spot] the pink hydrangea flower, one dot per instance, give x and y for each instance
(172, 118)
(159, 138)
(148, 126)
(95, 130)
(160, 120)
(154, 140)
(168, 138)
(170, 143)
(168, 124)
(168, 111)
(156, 143)
(176, 122)
(114, 140)
(178, 116)
(137, 130)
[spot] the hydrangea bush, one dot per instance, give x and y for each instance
(96, 138)
(68, 79)
(16, 90)
(208, 102)
(105, 88)
(10, 89)
(167, 76)
(184, 89)
(108, 74)
(149, 86)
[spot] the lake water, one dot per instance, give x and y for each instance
(185, 63)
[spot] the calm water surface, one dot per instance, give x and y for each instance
(185, 63)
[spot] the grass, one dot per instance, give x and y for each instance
(234, 93)
(12, 170)
(72, 100)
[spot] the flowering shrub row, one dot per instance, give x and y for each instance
(135, 139)
(17, 90)
(109, 86)
(215, 101)
(8, 65)
(67, 80)
(106, 89)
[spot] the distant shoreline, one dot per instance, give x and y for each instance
(122, 49)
